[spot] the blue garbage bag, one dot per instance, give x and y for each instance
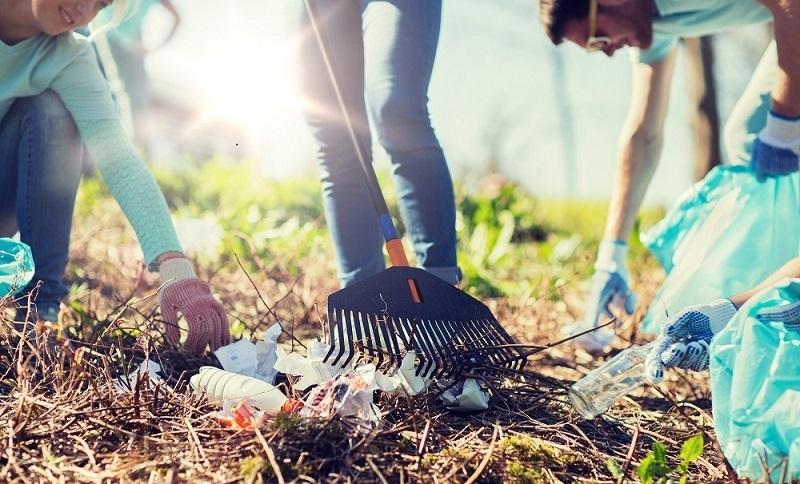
(16, 266)
(755, 385)
(725, 235)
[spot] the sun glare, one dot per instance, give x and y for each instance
(248, 87)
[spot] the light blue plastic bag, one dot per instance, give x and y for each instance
(16, 266)
(755, 385)
(726, 234)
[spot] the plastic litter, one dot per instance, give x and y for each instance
(348, 394)
(221, 385)
(16, 266)
(466, 396)
(755, 380)
(255, 360)
(149, 368)
(241, 416)
(725, 235)
(311, 368)
(599, 389)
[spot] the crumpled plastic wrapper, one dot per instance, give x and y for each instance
(466, 396)
(255, 360)
(312, 370)
(241, 416)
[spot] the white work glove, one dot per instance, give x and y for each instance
(610, 289)
(686, 337)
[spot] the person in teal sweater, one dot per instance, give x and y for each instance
(53, 102)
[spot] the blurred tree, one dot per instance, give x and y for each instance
(703, 96)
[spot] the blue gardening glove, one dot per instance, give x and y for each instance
(776, 151)
(686, 337)
(610, 289)
(788, 314)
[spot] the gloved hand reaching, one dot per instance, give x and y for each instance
(183, 293)
(686, 337)
(776, 151)
(610, 289)
(788, 314)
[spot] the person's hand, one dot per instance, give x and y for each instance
(182, 293)
(686, 337)
(610, 289)
(788, 314)
(776, 150)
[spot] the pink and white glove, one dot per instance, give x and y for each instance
(183, 293)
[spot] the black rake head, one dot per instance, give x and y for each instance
(450, 331)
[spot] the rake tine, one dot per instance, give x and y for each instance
(386, 326)
(404, 336)
(378, 343)
(410, 330)
(351, 326)
(338, 331)
(422, 337)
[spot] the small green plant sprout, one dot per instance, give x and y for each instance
(655, 468)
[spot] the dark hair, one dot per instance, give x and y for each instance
(555, 14)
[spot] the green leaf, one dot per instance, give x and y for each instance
(684, 479)
(613, 467)
(645, 469)
(692, 449)
(660, 453)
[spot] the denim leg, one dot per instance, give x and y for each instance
(39, 136)
(350, 216)
(750, 113)
(400, 40)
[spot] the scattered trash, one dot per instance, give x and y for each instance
(466, 396)
(126, 383)
(255, 360)
(348, 394)
(16, 266)
(312, 369)
(221, 385)
(599, 389)
(242, 416)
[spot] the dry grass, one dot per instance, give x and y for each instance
(62, 419)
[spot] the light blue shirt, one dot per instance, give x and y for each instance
(694, 18)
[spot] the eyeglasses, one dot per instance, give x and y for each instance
(593, 43)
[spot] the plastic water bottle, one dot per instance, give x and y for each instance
(597, 391)
(16, 266)
(221, 385)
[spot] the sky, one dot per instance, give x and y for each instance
(548, 116)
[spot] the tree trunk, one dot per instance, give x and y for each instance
(702, 93)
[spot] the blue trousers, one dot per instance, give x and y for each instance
(383, 52)
(40, 169)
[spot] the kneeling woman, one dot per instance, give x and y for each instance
(53, 102)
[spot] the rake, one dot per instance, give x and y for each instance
(404, 308)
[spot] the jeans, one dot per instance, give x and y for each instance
(383, 53)
(40, 168)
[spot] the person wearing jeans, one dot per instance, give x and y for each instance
(53, 101)
(383, 52)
